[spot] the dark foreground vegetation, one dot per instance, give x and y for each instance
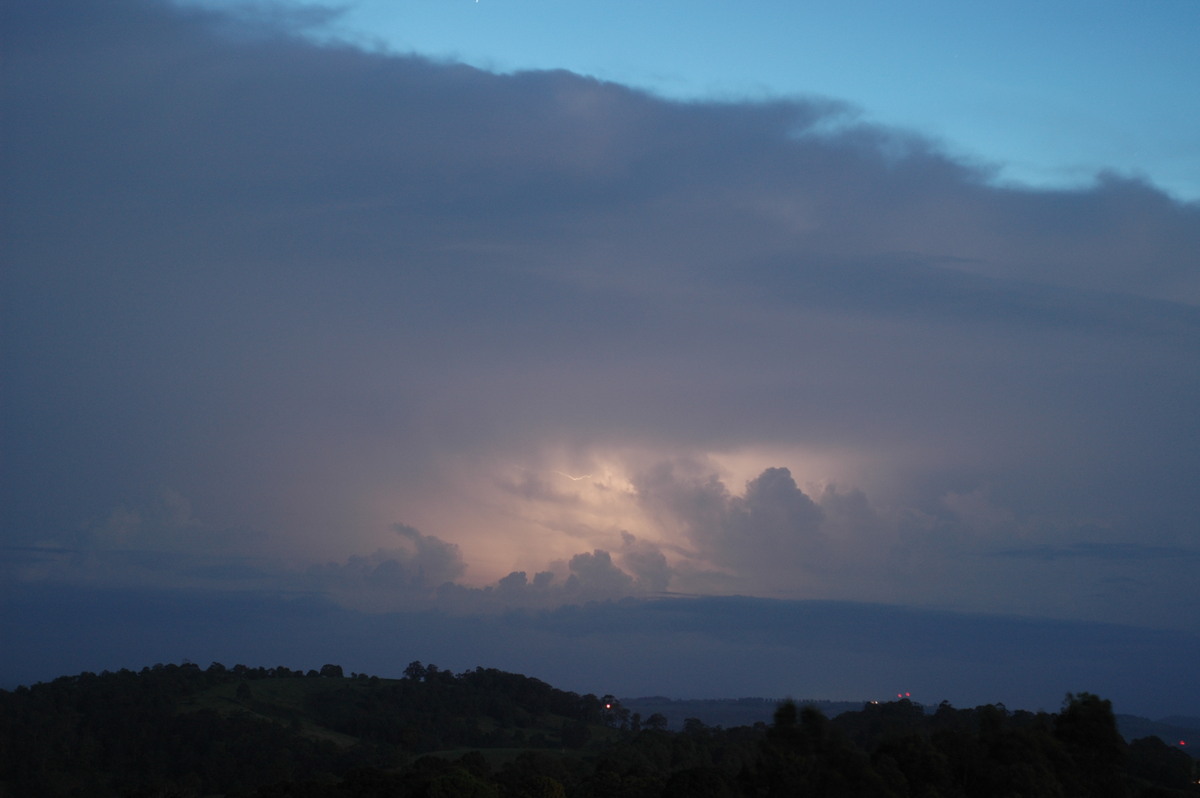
(179, 730)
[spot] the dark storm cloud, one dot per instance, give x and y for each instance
(645, 562)
(597, 569)
(407, 574)
(322, 291)
(773, 526)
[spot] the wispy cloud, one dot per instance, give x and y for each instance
(1120, 552)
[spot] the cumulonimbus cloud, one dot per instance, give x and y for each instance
(324, 291)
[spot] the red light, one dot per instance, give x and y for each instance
(906, 695)
(1183, 742)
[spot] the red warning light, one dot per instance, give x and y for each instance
(908, 695)
(1183, 742)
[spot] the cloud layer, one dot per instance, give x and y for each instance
(405, 334)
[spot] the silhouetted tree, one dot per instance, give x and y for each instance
(656, 722)
(1088, 730)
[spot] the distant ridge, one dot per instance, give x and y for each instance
(731, 712)
(277, 733)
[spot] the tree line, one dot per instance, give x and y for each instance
(179, 730)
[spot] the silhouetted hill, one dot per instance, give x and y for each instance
(727, 712)
(1174, 730)
(179, 730)
(232, 730)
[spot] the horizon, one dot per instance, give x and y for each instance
(714, 647)
(720, 717)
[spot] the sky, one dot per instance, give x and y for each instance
(1040, 94)
(677, 358)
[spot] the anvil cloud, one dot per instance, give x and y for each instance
(288, 319)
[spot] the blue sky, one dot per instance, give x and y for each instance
(1048, 94)
(297, 325)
